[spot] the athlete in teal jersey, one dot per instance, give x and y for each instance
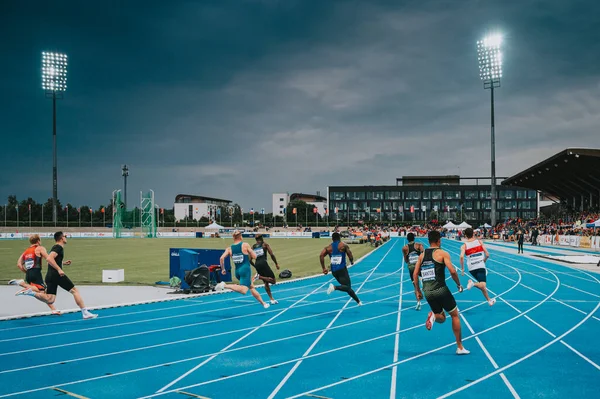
(241, 253)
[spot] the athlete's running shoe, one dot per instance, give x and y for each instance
(470, 284)
(89, 315)
(15, 281)
(492, 301)
(274, 302)
(462, 351)
(330, 289)
(266, 306)
(430, 320)
(418, 307)
(256, 277)
(27, 291)
(220, 286)
(360, 303)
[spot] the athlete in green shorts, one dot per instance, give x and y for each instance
(241, 253)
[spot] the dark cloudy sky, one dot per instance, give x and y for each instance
(239, 99)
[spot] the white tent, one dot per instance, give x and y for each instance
(464, 225)
(450, 226)
(487, 226)
(214, 226)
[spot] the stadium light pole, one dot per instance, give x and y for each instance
(54, 83)
(489, 55)
(125, 173)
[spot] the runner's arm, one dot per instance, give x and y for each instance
(251, 253)
(20, 264)
(462, 259)
(226, 253)
(322, 259)
(272, 256)
(487, 254)
(405, 253)
(448, 263)
(418, 292)
(50, 258)
(349, 253)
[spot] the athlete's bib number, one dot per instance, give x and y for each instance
(476, 261)
(237, 259)
(259, 252)
(413, 258)
(29, 264)
(336, 260)
(428, 273)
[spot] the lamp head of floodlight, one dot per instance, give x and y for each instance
(54, 71)
(489, 55)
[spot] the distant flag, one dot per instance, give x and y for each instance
(252, 211)
(424, 208)
(314, 210)
(284, 210)
(29, 206)
(242, 211)
(262, 211)
(435, 208)
(219, 211)
(78, 210)
(294, 211)
(91, 210)
(378, 210)
(412, 209)
(102, 210)
(401, 209)
(336, 209)
(162, 211)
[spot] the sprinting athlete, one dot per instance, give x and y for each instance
(477, 255)
(411, 252)
(432, 265)
(263, 270)
(337, 252)
(56, 277)
(30, 263)
(241, 253)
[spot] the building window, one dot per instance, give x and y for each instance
(436, 195)
(413, 195)
(280, 199)
(392, 195)
(505, 194)
(355, 196)
(451, 194)
(470, 194)
(485, 194)
(521, 194)
(336, 195)
(532, 194)
(375, 195)
(280, 206)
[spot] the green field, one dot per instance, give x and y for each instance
(146, 261)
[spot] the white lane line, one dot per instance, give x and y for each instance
(316, 341)
(190, 371)
(520, 360)
(580, 355)
(138, 349)
(187, 325)
(397, 337)
(102, 377)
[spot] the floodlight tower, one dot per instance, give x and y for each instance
(125, 173)
(54, 83)
(489, 55)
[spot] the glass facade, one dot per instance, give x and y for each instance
(423, 203)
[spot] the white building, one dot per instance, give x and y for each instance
(196, 207)
(281, 201)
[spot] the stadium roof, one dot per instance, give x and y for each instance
(570, 173)
(199, 198)
(314, 197)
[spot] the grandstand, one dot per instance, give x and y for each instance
(572, 176)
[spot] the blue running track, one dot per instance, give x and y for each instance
(540, 340)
